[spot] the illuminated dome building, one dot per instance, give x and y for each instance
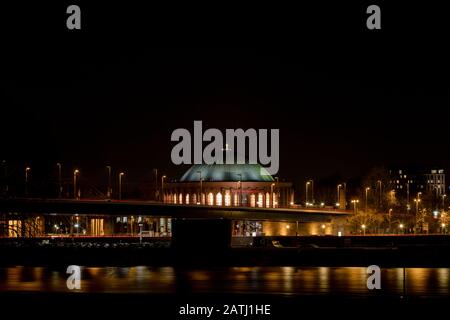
(229, 185)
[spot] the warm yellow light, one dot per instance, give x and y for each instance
(363, 226)
(443, 225)
(322, 226)
(287, 226)
(401, 225)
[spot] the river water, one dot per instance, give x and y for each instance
(268, 280)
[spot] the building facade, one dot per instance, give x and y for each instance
(245, 185)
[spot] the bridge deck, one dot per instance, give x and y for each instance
(105, 207)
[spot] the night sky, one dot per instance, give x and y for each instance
(344, 98)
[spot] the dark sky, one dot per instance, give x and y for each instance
(344, 98)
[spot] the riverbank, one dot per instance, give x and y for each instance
(388, 251)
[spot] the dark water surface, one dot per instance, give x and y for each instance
(231, 280)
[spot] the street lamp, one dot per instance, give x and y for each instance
(240, 191)
(364, 229)
(271, 194)
(417, 205)
(109, 191)
(380, 186)
(75, 176)
(365, 207)
(443, 201)
(355, 208)
(120, 184)
(201, 184)
(338, 194)
(306, 192)
(401, 226)
(162, 187)
(27, 169)
(59, 179)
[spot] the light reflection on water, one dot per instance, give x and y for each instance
(273, 280)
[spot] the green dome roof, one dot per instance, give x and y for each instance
(227, 172)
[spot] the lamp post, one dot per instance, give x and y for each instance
(156, 183)
(443, 202)
(201, 185)
(408, 207)
(365, 206)
(355, 207)
(240, 189)
(338, 201)
(120, 184)
(271, 195)
(401, 227)
(306, 192)
(75, 176)
(109, 191)
(379, 185)
(59, 180)
(364, 229)
(27, 169)
(162, 187)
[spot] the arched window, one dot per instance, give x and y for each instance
(260, 200)
(180, 198)
(187, 198)
(210, 199)
(219, 199)
(203, 199)
(194, 198)
(252, 200)
(227, 198)
(267, 200)
(236, 199)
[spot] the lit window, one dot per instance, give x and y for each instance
(227, 198)
(180, 198)
(236, 199)
(260, 200)
(252, 200)
(187, 198)
(210, 199)
(194, 198)
(219, 199)
(267, 200)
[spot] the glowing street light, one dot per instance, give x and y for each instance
(75, 178)
(27, 169)
(338, 200)
(120, 184)
(355, 205)
(367, 191)
(109, 191)
(162, 187)
(271, 194)
(307, 186)
(417, 201)
(240, 188)
(364, 229)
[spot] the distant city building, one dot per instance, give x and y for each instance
(409, 182)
